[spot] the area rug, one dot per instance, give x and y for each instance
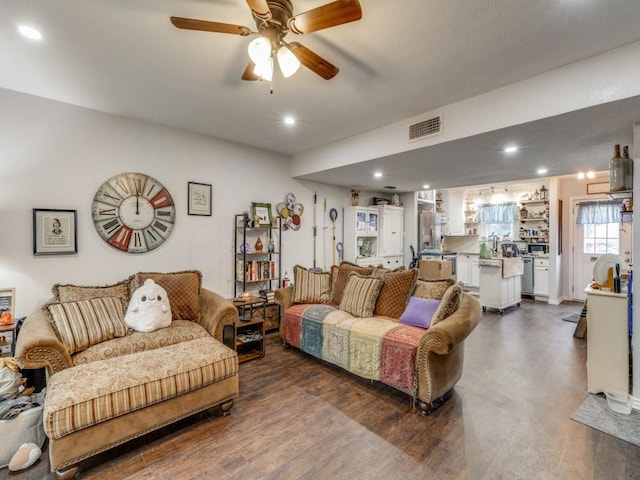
(572, 318)
(595, 413)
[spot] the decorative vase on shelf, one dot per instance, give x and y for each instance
(258, 245)
(620, 171)
(628, 169)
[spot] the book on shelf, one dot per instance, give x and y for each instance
(255, 270)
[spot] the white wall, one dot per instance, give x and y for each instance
(55, 155)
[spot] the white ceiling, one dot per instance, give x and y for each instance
(402, 59)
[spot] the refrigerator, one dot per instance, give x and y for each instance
(429, 230)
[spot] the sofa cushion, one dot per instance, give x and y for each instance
(448, 304)
(419, 312)
(360, 295)
(87, 322)
(183, 290)
(342, 277)
(426, 288)
(73, 293)
(310, 287)
(395, 291)
(178, 331)
(95, 392)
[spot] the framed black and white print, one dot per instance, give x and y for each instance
(199, 199)
(54, 232)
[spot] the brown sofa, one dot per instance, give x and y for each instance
(424, 363)
(126, 386)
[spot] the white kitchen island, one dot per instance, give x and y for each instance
(500, 282)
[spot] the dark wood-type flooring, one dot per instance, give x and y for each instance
(296, 417)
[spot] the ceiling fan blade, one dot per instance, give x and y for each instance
(313, 61)
(329, 15)
(248, 74)
(205, 26)
(260, 9)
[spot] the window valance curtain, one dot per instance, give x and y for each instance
(599, 212)
(498, 212)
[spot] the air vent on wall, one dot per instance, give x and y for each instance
(425, 128)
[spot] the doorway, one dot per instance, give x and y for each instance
(590, 241)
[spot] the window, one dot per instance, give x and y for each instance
(601, 238)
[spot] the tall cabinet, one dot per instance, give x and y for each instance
(374, 235)
(392, 236)
(258, 265)
(361, 226)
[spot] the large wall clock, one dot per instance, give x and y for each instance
(133, 212)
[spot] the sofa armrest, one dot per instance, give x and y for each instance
(443, 337)
(284, 297)
(440, 355)
(216, 312)
(38, 346)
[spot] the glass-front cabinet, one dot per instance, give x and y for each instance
(361, 228)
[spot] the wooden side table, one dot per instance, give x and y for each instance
(249, 328)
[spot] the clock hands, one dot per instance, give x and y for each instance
(137, 204)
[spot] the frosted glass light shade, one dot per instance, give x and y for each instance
(265, 69)
(259, 50)
(288, 62)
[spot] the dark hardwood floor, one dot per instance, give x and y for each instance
(298, 418)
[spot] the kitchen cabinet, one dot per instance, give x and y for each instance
(607, 342)
(455, 209)
(541, 277)
(467, 270)
(391, 232)
(361, 239)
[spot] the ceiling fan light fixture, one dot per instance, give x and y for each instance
(264, 70)
(288, 62)
(259, 50)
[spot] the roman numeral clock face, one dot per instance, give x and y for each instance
(133, 212)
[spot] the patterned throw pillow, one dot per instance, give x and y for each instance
(73, 293)
(342, 277)
(432, 288)
(419, 312)
(84, 323)
(396, 288)
(310, 287)
(183, 290)
(360, 295)
(449, 304)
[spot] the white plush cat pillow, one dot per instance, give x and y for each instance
(149, 308)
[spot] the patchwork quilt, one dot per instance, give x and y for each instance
(376, 348)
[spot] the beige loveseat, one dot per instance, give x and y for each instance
(106, 386)
(360, 318)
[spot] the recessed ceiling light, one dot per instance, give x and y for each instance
(511, 149)
(591, 174)
(580, 175)
(29, 32)
(542, 171)
(377, 174)
(426, 186)
(289, 120)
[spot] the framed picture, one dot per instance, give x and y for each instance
(7, 296)
(593, 188)
(261, 213)
(199, 199)
(54, 232)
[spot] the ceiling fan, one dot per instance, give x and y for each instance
(274, 20)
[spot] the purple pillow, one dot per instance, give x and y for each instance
(419, 312)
